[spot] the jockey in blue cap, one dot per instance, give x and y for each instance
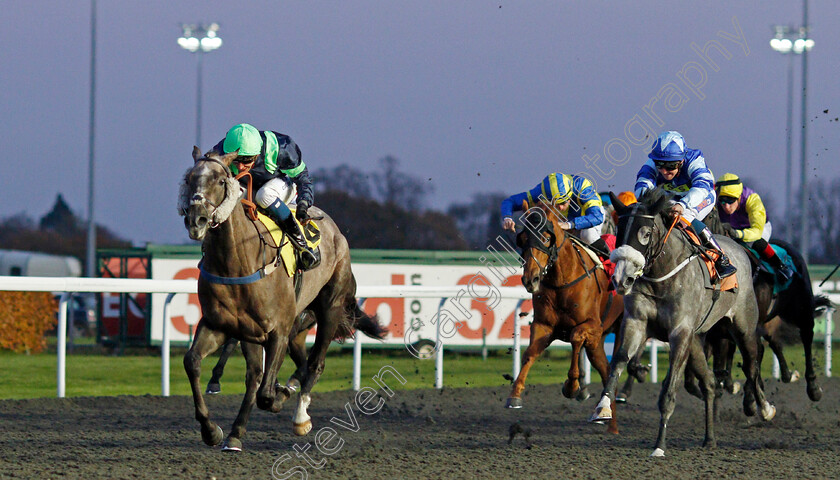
(572, 195)
(683, 171)
(279, 177)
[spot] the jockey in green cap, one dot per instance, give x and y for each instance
(279, 177)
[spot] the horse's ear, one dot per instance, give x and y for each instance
(617, 204)
(660, 204)
(228, 158)
(524, 205)
(196, 153)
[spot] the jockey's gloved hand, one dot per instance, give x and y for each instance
(300, 213)
(729, 230)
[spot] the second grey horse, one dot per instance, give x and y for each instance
(661, 278)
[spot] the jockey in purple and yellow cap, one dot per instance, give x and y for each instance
(745, 219)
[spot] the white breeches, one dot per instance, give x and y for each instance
(768, 230)
(591, 234)
(281, 188)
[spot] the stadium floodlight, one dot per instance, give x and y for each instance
(201, 39)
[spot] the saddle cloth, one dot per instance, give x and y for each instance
(287, 252)
(712, 278)
(605, 263)
(779, 284)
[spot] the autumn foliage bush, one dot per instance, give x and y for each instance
(24, 318)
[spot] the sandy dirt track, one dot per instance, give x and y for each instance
(454, 433)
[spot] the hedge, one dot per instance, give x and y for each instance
(24, 319)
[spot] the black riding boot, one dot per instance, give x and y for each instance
(767, 253)
(307, 258)
(601, 248)
(724, 268)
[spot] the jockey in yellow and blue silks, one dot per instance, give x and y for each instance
(683, 171)
(279, 176)
(745, 219)
(572, 195)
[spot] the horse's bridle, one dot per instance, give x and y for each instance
(535, 242)
(202, 202)
(649, 254)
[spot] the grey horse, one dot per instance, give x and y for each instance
(660, 274)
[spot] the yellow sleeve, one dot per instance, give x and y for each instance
(757, 216)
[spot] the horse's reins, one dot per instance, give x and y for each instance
(676, 269)
(251, 212)
(552, 252)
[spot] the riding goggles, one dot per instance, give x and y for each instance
(726, 200)
(667, 165)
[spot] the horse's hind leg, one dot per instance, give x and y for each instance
(297, 351)
(806, 333)
(572, 383)
(540, 340)
(747, 340)
(681, 341)
(206, 341)
(787, 376)
(328, 321)
(594, 345)
(213, 386)
(633, 336)
(253, 373)
(700, 369)
(275, 352)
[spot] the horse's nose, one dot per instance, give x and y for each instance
(530, 282)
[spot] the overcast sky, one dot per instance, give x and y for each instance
(478, 96)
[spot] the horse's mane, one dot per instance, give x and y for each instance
(651, 196)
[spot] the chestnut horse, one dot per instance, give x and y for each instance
(571, 299)
(254, 305)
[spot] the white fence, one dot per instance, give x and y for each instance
(172, 287)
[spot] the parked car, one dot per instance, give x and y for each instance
(81, 313)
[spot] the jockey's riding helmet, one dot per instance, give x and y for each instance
(244, 137)
(557, 187)
(668, 150)
(729, 185)
(627, 198)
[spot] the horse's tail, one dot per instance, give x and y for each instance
(358, 320)
(822, 301)
(364, 322)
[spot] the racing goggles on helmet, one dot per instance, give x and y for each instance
(726, 199)
(667, 164)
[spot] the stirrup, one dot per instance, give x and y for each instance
(724, 267)
(308, 258)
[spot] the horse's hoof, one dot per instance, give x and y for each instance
(815, 394)
(603, 412)
(568, 391)
(658, 453)
(582, 394)
(794, 377)
(735, 388)
(302, 429)
(768, 412)
(621, 397)
(232, 445)
(213, 389)
(212, 437)
(513, 402)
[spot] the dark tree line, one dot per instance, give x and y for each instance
(59, 232)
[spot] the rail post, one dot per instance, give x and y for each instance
(517, 358)
(439, 351)
(62, 343)
(164, 348)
